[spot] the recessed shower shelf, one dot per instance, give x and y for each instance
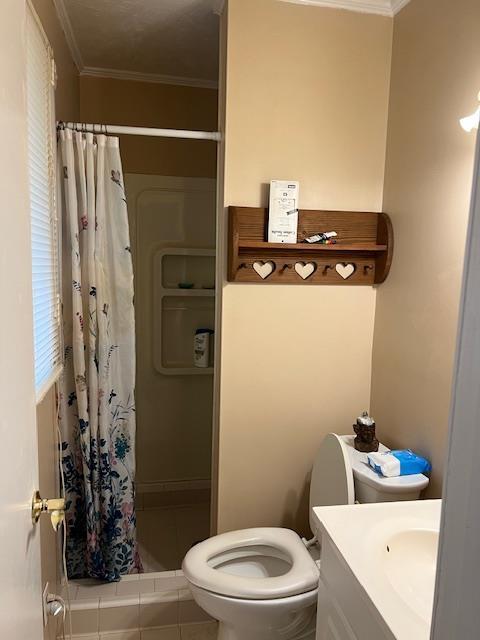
(179, 312)
(193, 293)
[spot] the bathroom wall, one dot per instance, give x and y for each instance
(307, 99)
(435, 81)
(67, 98)
(48, 486)
(147, 104)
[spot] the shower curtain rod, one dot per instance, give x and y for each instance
(140, 131)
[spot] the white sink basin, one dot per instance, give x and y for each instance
(410, 562)
(391, 549)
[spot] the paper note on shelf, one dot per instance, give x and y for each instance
(283, 211)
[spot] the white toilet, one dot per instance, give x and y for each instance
(261, 584)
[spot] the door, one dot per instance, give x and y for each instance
(456, 611)
(20, 581)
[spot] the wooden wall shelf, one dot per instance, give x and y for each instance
(362, 255)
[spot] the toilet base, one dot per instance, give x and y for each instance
(290, 618)
(228, 633)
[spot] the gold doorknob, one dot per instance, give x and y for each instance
(55, 507)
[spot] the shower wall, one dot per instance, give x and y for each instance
(169, 216)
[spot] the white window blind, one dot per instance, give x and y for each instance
(44, 227)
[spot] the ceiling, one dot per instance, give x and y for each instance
(159, 40)
(171, 41)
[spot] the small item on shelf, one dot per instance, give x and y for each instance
(201, 348)
(185, 285)
(283, 211)
(398, 463)
(322, 238)
(365, 441)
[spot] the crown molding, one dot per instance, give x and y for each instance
(66, 26)
(378, 7)
(397, 5)
(120, 74)
(137, 76)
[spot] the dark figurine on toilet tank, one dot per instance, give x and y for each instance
(365, 440)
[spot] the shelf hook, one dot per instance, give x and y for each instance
(326, 268)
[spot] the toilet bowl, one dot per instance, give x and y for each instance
(262, 583)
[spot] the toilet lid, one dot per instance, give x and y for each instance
(332, 476)
(202, 565)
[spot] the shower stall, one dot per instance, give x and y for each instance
(172, 227)
(169, 245)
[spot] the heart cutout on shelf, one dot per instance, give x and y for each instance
(264, 269)
(305, 270)
(345, 270)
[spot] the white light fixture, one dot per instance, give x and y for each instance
(469, 123)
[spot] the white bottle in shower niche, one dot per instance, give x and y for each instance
(201, 347)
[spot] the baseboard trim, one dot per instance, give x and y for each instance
(174, 485)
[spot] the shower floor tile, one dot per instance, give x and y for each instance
(165, 535)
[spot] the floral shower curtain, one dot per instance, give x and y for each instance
(96, 400)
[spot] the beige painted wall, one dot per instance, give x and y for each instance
(49, 488)
(295, 361)
(435, 81)
(146, 104)
(67, 98)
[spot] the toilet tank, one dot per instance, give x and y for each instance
(341, 475)
(370, 487)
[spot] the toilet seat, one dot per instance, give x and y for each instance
(201, 561)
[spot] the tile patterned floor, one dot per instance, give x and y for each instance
(166, 534)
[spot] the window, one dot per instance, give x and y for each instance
(44, 227)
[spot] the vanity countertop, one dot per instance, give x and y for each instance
(391, 549)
